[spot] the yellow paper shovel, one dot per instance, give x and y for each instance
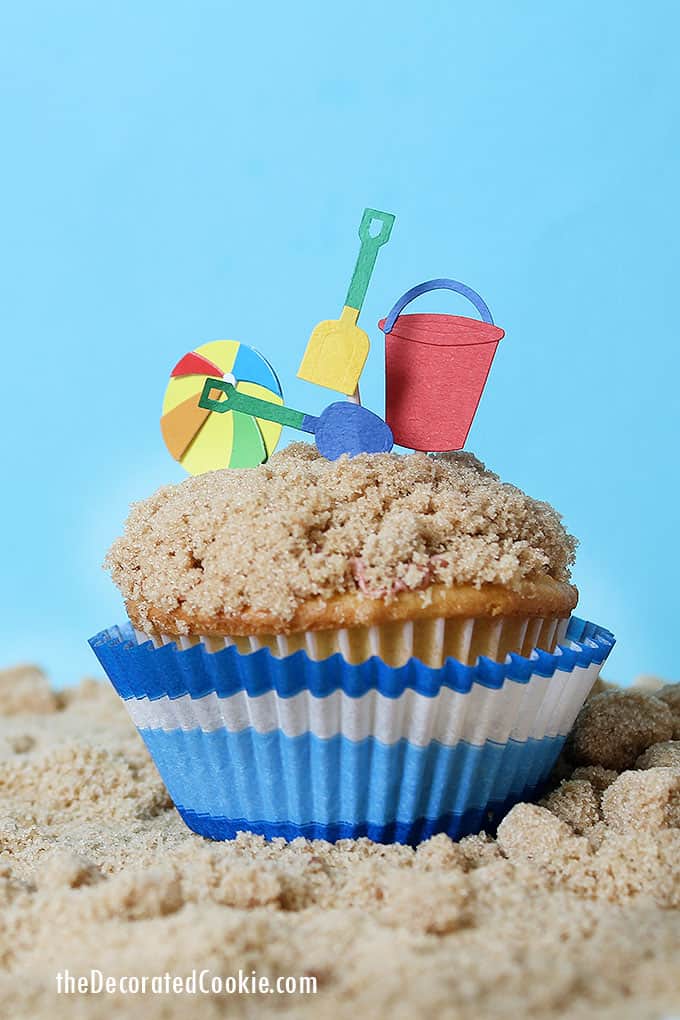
(337, 349)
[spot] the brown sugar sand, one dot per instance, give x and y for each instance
(300, 526)
(573, 911)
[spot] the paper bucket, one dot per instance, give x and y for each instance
(436, 367)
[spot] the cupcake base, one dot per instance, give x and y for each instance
(292, 747)
(431, 640)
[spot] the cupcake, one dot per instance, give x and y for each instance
(380, 645)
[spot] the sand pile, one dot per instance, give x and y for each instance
(574, 911)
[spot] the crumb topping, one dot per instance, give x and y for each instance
(300, 526)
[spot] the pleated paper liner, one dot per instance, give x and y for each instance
(223, 783)
(290, 746)
(432, 641)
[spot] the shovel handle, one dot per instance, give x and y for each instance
(386, 221)
(368, 254)
(235, 401)
(441, 284)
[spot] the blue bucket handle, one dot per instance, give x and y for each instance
(422, 288)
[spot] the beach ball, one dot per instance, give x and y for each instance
(202, 440)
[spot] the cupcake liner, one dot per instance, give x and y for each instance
(432, 640)
(288, 746)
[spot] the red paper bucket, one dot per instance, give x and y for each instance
(435, 370)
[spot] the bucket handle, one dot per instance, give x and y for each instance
(422, 288)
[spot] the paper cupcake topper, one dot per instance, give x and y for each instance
(436, 368)
(201, 441)
(342, 428)
(337, 349)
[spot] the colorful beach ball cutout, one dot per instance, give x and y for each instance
(202, 440)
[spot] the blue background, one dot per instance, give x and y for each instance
(179, 172)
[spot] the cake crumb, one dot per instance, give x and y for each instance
(266, 539)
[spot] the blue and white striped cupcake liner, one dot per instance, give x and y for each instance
(286, 746)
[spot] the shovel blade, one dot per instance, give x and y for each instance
(344, 428)
(336, 354)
